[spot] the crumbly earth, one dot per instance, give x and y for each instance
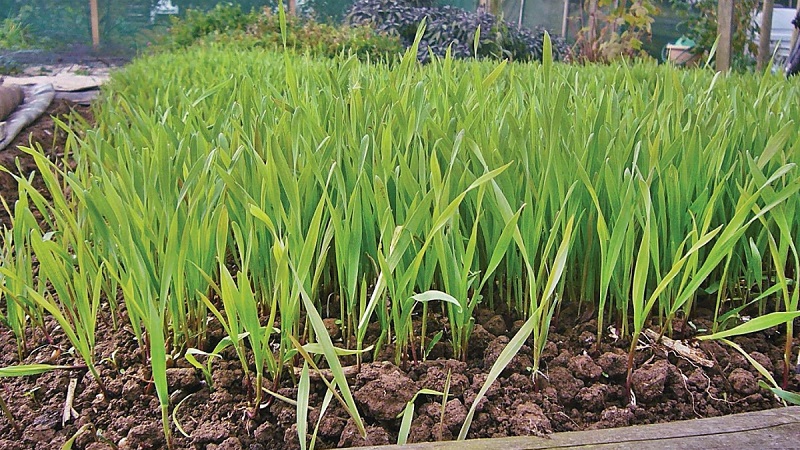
(581, 385)
(44, 132)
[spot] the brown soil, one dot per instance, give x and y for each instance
(582, 384)
(45, 132)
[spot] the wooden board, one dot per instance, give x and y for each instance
(771, 429)
(80, 97)
(64, 82)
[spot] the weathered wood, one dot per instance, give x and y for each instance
(83, 98)
(65, 81)
(774, 428)
(724, 34)
(695, 355)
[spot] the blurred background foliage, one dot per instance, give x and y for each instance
(130, 26)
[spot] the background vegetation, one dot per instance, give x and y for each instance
(700, 24)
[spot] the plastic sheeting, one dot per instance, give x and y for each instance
(37, 98)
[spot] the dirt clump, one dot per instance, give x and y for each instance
(743, 381)
(592, 398)
(385, 390)
(435, 373)
(585, 368)
(613, 364)
(351, 438)
(529, 419)
(496, 325)
(455, 413)
(182, 378)
(209, 433)
(232, 443)
(648, 381)
(565, 384)
(614, 417)
(143, 437)
(521, 362)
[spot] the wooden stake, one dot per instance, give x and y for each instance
(764, 35)
(95, 24)
(724, 35)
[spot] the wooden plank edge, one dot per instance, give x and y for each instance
(638, 434)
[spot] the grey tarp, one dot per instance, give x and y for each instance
(37, 99)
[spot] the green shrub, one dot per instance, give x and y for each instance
(223, 19)
(14, 35)
(451, 29)
(228, 24)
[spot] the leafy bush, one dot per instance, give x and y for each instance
(229, 24)
(454, 28)
(224, 18)
(14, 35)
(621, 31)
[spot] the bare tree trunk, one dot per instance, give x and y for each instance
(293, 7)
(764, 35)
(95, 19)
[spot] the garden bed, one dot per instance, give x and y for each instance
(214, 205)
(584, 389)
